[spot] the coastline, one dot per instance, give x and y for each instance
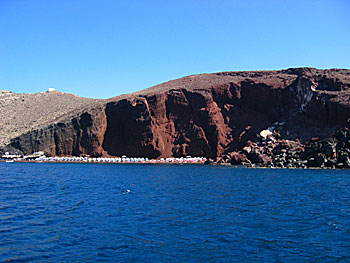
(187, 160)
(159, 162)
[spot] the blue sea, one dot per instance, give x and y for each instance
(172, 213)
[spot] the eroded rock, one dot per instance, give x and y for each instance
(219, 116)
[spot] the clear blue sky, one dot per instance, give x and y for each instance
(104, 48)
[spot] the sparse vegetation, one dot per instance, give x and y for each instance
(23, 112)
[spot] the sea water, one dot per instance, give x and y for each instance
(172, 213)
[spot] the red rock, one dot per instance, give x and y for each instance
(247, 149)
(238, 158)
(201, 115)
(264, 159)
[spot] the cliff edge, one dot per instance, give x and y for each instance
(212, 115)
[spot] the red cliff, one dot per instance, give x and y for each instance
(201, 115)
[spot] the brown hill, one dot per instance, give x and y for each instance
(201, 115)
(21, 113)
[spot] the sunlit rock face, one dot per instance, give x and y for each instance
(208, 115)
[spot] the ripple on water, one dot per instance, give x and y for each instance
(92, 213)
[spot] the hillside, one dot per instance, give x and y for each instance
(213, 115)
(21, 113)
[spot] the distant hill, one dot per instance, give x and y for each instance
(209, 115)
(21, 113)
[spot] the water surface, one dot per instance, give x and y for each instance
(172, 213)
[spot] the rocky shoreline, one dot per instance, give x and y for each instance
(288, 118)
(270, 152)
(332, 153)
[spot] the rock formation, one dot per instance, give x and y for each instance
(218, 115)
(21, 113)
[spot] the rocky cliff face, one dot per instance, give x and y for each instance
(21, 113)
(81, 134)
(202, 115)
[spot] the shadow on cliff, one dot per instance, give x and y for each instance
(218, 115)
